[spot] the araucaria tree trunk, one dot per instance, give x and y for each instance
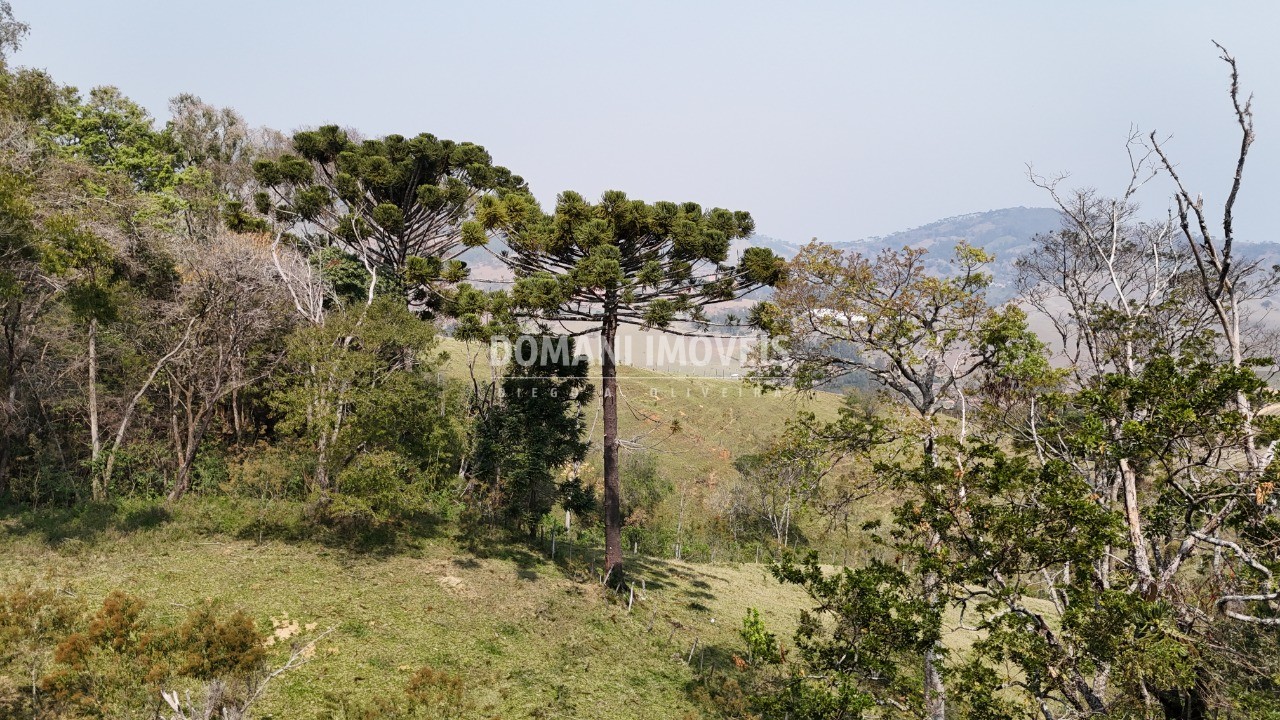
(612, 480)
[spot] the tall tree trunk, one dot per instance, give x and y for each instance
(237, 420)
(935, 692)
(182, 479)
(4, 465)
(8, 415)
(95, 438)
(612, 480)
(1133, 525)
(322, 464)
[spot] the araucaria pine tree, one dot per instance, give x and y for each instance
(616, 262)
(399, 205)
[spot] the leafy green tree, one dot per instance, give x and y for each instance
(364, 380)
(216, 140)
(1153, 455)
(644, 487)
(855, 648)
(783, 481)
(529, 434)
(920, 336)
(106, 210)
(1122, 564)
(993, 528)
(1156, 421)
(215, 151)
(11, 33)
(91, 280)
(762, 645)
(617, 262)
(20, 305)
(107, 256)
(110, 131)
(399, 205)
(1125, 476)
(93, 250)
(93, 296)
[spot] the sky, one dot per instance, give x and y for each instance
(835, 120)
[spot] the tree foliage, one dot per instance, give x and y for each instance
(529, 435)
(366, 381)
(1100, 512)
(398, 204)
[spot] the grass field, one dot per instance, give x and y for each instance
(532, 638)
(694, 425)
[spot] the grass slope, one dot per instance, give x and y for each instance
(532, 638)
(693, 426)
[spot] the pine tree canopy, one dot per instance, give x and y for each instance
(654, 263)
(399, 203)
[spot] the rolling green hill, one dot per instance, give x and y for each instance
(693, 425)
(530, 636)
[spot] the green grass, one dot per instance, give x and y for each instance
(532, 637)
(529, 636)
(695, 426)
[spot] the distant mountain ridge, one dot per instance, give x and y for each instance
(1006, 228)
(1006, 233)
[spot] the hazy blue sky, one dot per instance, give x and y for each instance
(835, 120)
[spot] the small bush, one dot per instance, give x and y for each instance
(375, 488)
(267, 472)
(442, 694)
(762, 645)
(430, 693)
(115, 661)
(207, 647)
(32, 621)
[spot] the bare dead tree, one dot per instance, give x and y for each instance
(1228, 285)
(1105, 258)
(240, 311)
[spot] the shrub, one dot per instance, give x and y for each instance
(376, 487)
(442, 694)
(207, 647)
(267, 472)
(762, 645)
(32, 620)
(643, 488)
(117, 661)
